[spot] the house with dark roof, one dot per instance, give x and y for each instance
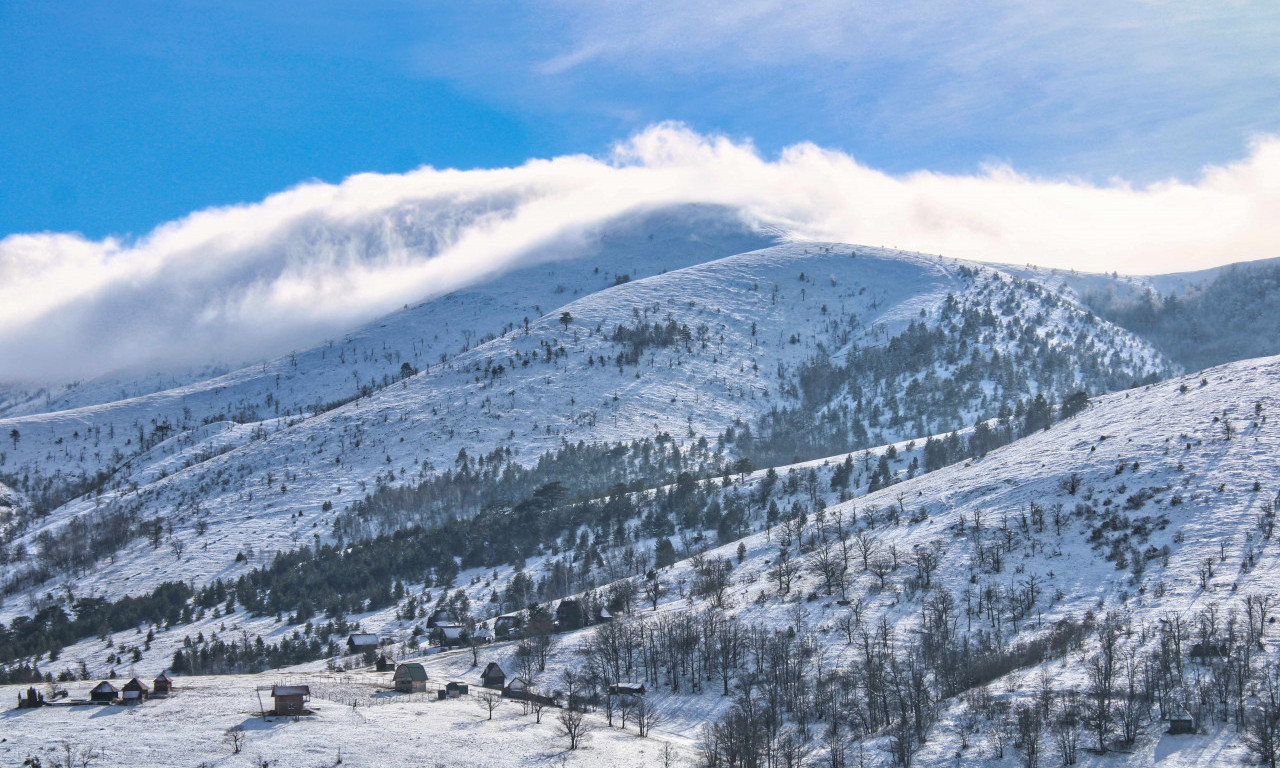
(104, 693)
(134, 692)
(162, 685)
(493, 676)
(570, 615)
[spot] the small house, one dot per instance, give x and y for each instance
(1181, 721)
(291, 699)
(482, 636)
(456, 689)
(134, 692)
(441, 616)
(384, 664)
(449, 635)
(410, 678)
(508, 627)
(493, 676)
(104, 693)
(517, 687)
(570, 615)
(162, 685)
(362, 642)
(603, 614)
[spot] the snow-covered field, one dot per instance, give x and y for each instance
(188, 729)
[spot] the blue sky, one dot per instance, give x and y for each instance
(116, 117)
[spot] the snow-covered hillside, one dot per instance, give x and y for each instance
(1150, 508)
(688, 352)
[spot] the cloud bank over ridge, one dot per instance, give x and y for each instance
(237, 283)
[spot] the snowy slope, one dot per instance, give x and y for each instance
(1160, 452)
(753, 319)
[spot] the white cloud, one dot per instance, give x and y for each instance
(232, 283)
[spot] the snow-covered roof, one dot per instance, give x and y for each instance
(363, 638)
(290, 690)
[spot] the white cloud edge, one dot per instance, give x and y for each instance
(319, 258)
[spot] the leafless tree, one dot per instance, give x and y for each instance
(653, 590)
(489, 701)
(235, 738)
(646, 716)
(536, 703)
(573, 726)
(866, 546)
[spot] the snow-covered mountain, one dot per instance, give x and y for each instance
(874, 345)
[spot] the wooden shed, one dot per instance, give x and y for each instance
(361, 642)
(493, 676)
(410, 678)
(162, 685)
(1181, 721)
(290, 699)
(104, 693)
(457, 689)
(384, 664)
(134, 692)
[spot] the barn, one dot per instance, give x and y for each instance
(134, 692)
(162, 685)
(104, 693)
(410, 678)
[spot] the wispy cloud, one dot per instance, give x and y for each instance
(232, 283)
(1140, 87)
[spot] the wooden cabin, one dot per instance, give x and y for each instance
(104, 693)
(410, 678)
(449, 635)
(570, 615)
(384, 664)
(1181, 721)
(290, 699)
(162, 685)
(361, 642)
(134, 692)
(493, 676)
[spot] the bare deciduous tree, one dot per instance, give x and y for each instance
(573, 726)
